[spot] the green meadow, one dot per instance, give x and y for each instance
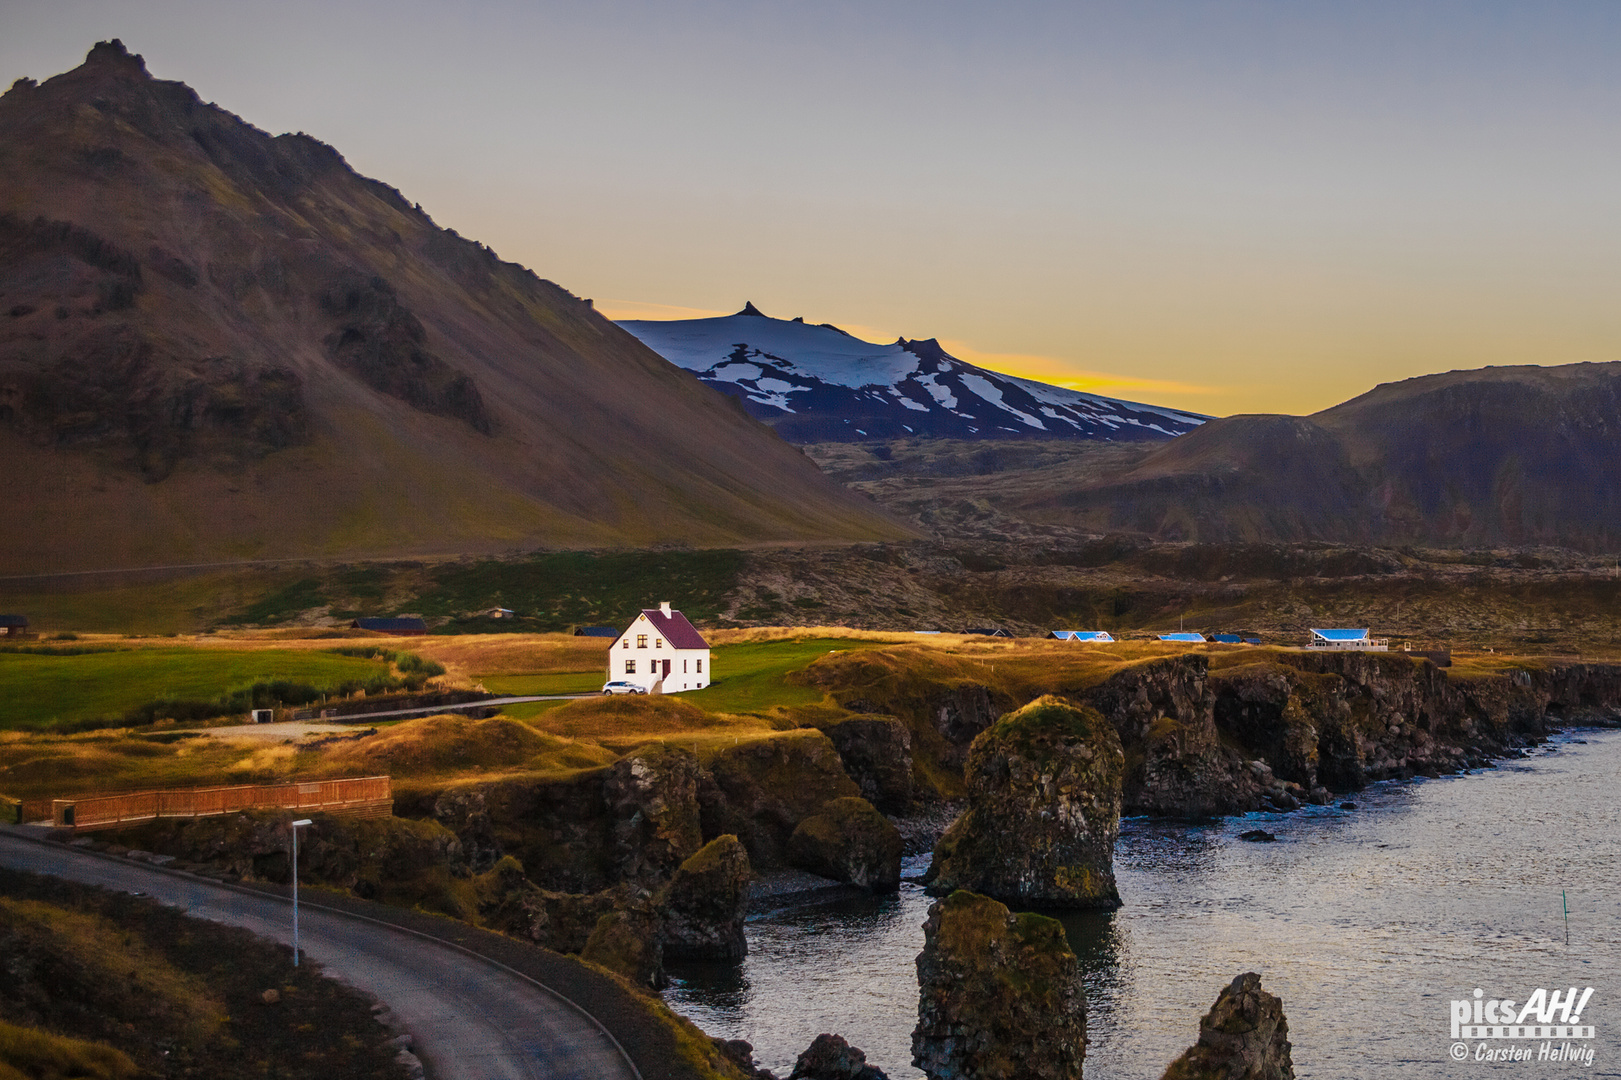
(41, 692)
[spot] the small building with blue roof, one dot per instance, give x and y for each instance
(1096, 637)
(1188, 638)
(1348, 639)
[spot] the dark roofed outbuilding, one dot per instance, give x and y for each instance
(987, 631)
(13, 625)
(400, 627)
(595, 631)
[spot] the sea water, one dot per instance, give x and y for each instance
(1368, 922)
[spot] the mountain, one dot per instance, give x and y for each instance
(817, 383)
(219, 344)
(1499, 456)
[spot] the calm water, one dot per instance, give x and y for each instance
(1366, 922)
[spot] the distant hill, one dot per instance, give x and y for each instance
(817, 383)
(1500, 456)
(218, 344)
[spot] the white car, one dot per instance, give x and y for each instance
(620, 686)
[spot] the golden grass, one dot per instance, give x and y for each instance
(101, 945)
(32, 1054)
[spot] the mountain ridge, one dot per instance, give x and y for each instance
(216, 343)
(819, 383)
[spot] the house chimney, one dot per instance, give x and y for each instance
(664, 608)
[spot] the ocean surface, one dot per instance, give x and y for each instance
(1366, 922)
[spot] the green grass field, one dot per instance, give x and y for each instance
(567, 682)
(40, 692)
(749, 678)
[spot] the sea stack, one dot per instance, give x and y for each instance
(999, 995)
(1244, 1036)
(1044, 811)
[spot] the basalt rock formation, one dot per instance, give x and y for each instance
(999, 995)
(761, 791)
(1243, 1037)
(1044, 811)
(705, 902)
(877, 753)
(850, 841)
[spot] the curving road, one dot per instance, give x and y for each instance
(469, 1018)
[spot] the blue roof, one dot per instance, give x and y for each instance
(1081, 635)
(1341, 635)
(1226, 639)
(1181, 637)
(595, 631)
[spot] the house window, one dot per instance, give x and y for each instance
(641, 641)
(658, 643)
(683, 667)
(630, 667)
(626, 643)
(700, 666)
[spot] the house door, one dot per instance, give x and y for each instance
(666, 669)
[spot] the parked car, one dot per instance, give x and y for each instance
(620, 686)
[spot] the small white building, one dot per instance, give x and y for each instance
(1098, 637)
(662, 652)
(1348, 639)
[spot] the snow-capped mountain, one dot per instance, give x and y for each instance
(816, 383)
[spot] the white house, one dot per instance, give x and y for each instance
(1093, 636)
(1347, 639)
(661, 651)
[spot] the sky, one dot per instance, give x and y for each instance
(1244, 206)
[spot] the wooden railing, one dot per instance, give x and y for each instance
(362, 796)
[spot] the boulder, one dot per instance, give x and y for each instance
(877, 753)
(831, 1058)
(1044, 788)
(850, 841)
(1243, 1037)
(999, 995)
(705, 903)
(627, 942)
(652, 800)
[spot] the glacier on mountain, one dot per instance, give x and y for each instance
(817, 383)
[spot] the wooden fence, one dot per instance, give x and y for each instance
(361, 796)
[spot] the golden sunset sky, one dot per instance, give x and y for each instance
(1229, 207)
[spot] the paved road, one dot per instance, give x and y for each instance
(469, 1018)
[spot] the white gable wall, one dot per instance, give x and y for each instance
(639, 656)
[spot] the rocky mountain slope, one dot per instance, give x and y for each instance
(1499, 456)
(216, 344)
(817, 383)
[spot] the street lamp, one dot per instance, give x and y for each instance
(296, 826)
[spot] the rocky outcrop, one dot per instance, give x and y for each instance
(1163, 711)
(849, 840)
(1048, 779)
(412, 863)
(830, 1057)
(999, 995)
(634, 821)
(705, 902)
(877, 754)
(761, 790)
(1243, 1037)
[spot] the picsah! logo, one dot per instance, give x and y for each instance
(1545, 1016)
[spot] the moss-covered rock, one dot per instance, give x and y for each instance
(394, 860)
(831, 1057)
(1044, 811)
(628, 943)
(1244, 1036)
(999, 995)
(761, 790)
(850, 841)
(705, 903)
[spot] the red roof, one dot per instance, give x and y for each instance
(675, 629)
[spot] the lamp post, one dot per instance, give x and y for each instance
(296, 826)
